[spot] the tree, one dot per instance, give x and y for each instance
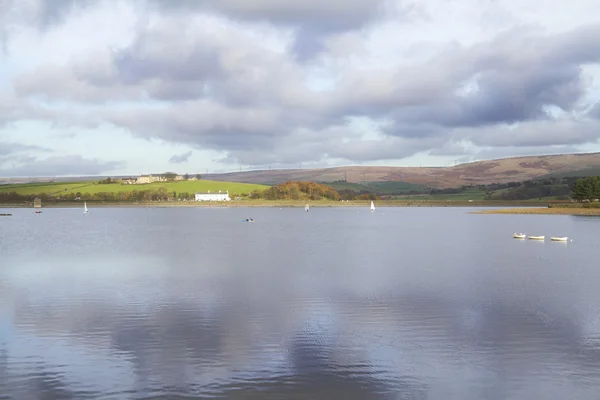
(198, 176)
(170, 176)
(586, 189)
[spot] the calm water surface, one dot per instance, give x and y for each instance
(337, 303)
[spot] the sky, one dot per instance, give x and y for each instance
(93, 87)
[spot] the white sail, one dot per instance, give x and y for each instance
(85, 210)
(372, 206)
(306, 208)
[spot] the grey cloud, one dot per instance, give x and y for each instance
(334, 15)
(180, 158)
(45, 14)
(595, 111)
(204, 124)
(385, 149)
(533, 134)
(312, 19)
(354, 150)
(55, 82)
(161, 55)
(514, 83)
(231, 93)
(8, 148)
(17, 153)
(61, 165)
(52, 12)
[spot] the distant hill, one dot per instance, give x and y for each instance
(505, 170)
(516, 169)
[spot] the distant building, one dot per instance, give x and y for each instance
(129, 181)
(216, 196)
(145, 179)
(37, 203)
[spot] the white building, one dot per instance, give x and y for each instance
(216, 196)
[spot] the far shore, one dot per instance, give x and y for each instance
(542, 211)
(283, 203)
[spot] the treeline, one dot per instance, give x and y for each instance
(161, 194)
(297, 190)
(560, 188)
(291, 190)
(587, 189)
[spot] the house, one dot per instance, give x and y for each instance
(145, 179)
(216, 196)
(128, 181)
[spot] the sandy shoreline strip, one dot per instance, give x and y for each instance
(542, 211)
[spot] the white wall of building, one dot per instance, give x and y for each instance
(212, 196)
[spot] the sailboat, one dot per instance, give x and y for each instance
(372, 206)
(85, 210)
(306, 208)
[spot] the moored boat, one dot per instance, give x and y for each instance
(559, 238)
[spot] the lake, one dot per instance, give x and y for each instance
(335, 303)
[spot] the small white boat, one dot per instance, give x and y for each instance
(559, 238)
(519, 235)
(85, 210)
(306, 208)
(537, 237)
(372, 206)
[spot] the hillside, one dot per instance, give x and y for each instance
(93, 187)
(476, 173)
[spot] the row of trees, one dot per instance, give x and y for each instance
(286, 191)
(298, 190)
(580, 189)
(586, 189)
(560, 188)
(135, 195)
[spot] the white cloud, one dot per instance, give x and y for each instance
(260, 82)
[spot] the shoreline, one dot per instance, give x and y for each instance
(282, 204)
(541, 211)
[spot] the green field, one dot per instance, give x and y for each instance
(93, 187)
(473, 194)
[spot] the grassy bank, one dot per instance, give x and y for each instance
(93, 187)
(543, 211)
(280, 203)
